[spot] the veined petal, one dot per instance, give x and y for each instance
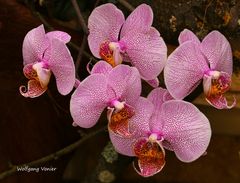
(89, 100)
(153, 82)
(34, 45)
(33, 90)
(187, 35)
(62, 66)
(126, 83)
(140, 20)
(218, 52)
(63, 36)
(104, 24)
(151, 157)
(147, 51)
(101, 67)
(184, 70)
(122, 145)
(185, 129)
(157, 97)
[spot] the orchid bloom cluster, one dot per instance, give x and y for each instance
(139, 127)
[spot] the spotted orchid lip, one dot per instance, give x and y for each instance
(215, 84)
(150, 154)
(38, 80)
(119, 117)
(112, 52)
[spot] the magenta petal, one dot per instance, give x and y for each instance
(126, 83)
(148, 52)
(63, 36)
(157, 96)
(122, 145)
(104, 24)
(62, 66)
(186, 129)
(139, 123)
(138, 126)
(34, 45)
(184, 70)
(139, 20)
(218, 52)
(187, 35)
(101, 67)
(89, 100)
(154, 82)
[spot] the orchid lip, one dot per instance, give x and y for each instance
(112, 52)
(150, 154)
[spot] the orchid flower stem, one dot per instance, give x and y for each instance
(96, 3)
(126, 4)
(54, 156)
(80, 53)
(56, 105)
(80, 17)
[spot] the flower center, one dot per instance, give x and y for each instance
(118, 118)
(111, 52)
(150, 154)
(216, 83)
(43, 73)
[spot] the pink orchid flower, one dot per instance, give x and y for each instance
(160, 122)
(113, 39)
(43, 54)
(193, 61)
(116, 89)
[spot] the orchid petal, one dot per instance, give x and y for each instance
(148, 52)
(126, 83)
(101, 67)
(122, 145)
(89, 100)
(184, 70)
(62, 66)
(218, 52)
(157, 96)
(33, 90)
(186, 129)
(154, 82)
(34, 45)
(104, 24)
(187, 35)
(139, 20)
(63, 36)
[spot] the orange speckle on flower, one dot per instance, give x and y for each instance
(119, 121)
(106, 53)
